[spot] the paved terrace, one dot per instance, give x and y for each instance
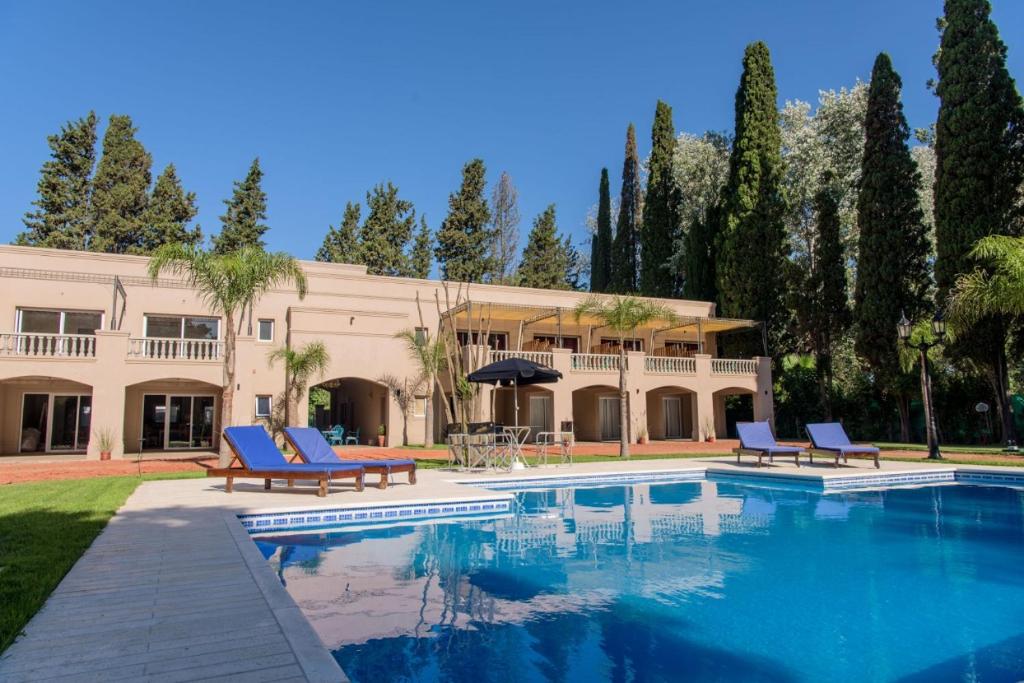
(174, 590)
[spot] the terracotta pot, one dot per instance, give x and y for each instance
(382, 440)
(104, 455)
(642, 440)
(711, 439)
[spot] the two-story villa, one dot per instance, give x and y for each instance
(89, 344)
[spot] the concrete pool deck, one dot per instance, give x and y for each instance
(174, 590)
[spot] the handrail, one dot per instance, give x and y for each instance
(540, 357)
(35, 345)
(595, 362)
(670, 365)
(733, 366)
(162, 348)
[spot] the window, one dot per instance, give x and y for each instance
(551, 341)
(633, 344)
(680, 348)
(36, 321)
(182, 327)
(263, 405)
(498, 341)
(421, 335)
(419, 406)
(266, 332)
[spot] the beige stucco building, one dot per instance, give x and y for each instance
(89, 344)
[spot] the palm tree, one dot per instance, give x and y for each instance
(430, 355)
(623, 314)
(300, 366)
(228, 284)
(995, 290)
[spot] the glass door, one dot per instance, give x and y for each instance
(608, 413)
(177, 421)
(673, 407)
(154, 413)
(202, 422)
(69, 430)
(35, 411)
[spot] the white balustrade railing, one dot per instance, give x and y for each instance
(594, 362)
(48, 345)
(733, 366)
(669, 365)
(158, 348)
(539, 357)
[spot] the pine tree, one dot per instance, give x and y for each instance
(892, 269)
(169, 213)
(661, 209)
(751, 251)
(422, 255)
(465, 235)
(505, 230)
(601, 243)
(544, 261)
(575, 268)
(830, 314)
(386, 232)
(979, 145)
(120, 192)
(341, 244)
(700, 279)
(625, 249)
(241, 222)
(62, 216)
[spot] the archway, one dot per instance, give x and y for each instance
(358, 405)
(732, 405)
(40, 415)
(171, 414)
(536, 408)
(595, 413)
(672, 414)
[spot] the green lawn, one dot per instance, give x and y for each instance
(44, 528)
(984, 450)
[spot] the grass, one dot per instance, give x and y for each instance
(981, 450)
(44, 528)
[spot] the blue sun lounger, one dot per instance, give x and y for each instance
(312, 447)
(756, 439)
(830, 439)
(258, 457)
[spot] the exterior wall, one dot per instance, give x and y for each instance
(356, 315)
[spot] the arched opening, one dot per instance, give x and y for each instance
(732, 405)
(44, 415)
(672, 414)
(359, 406)
(536, 408)
(595, 413)
(171, 414)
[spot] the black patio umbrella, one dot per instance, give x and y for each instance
(514, 372)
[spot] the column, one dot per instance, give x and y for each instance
(703, 400)
(764, 398)
(108, 392)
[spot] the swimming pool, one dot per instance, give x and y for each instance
(682, 581)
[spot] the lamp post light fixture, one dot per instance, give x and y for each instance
(904, 328)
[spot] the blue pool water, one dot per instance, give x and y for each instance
(689, 581)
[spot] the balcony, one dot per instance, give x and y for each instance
(652, 365)
(595, 362)
(670, 365)
(157, 348)
(733, 366)
(35, 345)
(539, 357)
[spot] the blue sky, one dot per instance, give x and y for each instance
(335, 97)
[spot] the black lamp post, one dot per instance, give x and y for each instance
(904, 328)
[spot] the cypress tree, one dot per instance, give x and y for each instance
(422, 255)
(387, 231)
(830, 314)
(751, 247)
(892, 269)
(699, 256)
(625, 266)
(544, 261)
(62, 218)
(661, 209)
(169, 213)
(979, 143)
(120, 192)
(601, 244)
(341, 244)
(465, 235)
(241, 222)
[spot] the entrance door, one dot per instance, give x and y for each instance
(608, 417)
(673, 408)
(69, 423)
(35, 414)
(540, 414)
(175, 422)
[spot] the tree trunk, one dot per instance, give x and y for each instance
(227, 399)
(428, 415)
(903, 406)
(623, 405)
(998, 375)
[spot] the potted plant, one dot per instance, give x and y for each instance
(104, 442)
(382, 435)
(709, 430)
(641, 434)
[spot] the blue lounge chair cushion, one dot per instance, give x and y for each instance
(757, 436)
(830, 436)
(257, 451)
(314, 449)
